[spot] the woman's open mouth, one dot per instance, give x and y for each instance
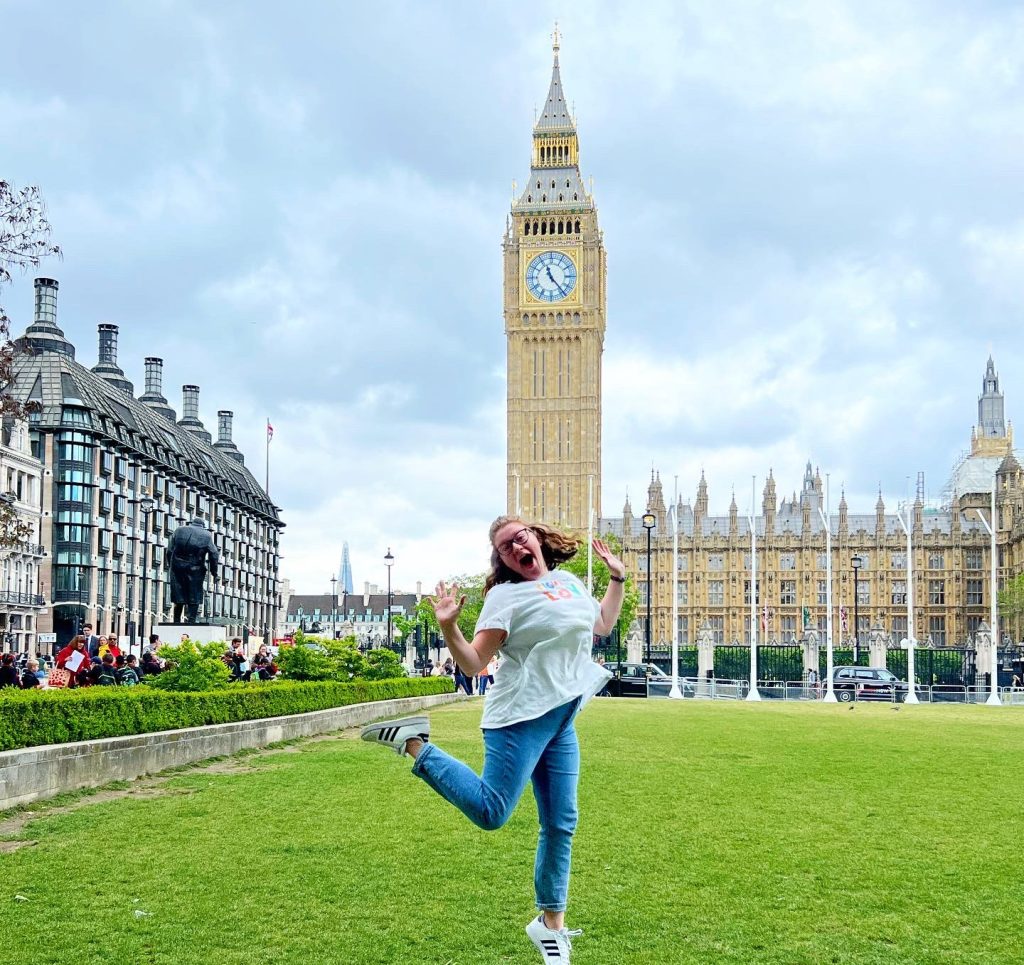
(527, 560)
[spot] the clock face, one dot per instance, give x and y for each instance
(551, 276)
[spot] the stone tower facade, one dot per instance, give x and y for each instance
(554, 308)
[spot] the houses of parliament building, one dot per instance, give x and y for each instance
(554, 311)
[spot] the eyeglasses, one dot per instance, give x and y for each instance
(519, 539)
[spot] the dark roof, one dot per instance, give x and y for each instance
(55, 379)
(309, 603)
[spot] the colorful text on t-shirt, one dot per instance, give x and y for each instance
(559, 589)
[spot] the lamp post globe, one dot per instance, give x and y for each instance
(649, 521)
(857, 562)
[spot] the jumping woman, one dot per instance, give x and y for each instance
(542, 620)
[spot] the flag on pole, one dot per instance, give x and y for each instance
(270, 431)
(843, 621)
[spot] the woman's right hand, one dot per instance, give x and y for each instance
(447, 603)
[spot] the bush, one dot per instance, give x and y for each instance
(318, 658)
(30, 718)
(192, 667)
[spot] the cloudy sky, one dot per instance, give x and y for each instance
(812, 211)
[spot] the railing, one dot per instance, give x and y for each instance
(802, 690)
(11, 598)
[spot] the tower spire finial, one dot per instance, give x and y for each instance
(555, 42)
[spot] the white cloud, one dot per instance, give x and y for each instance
(807, 205)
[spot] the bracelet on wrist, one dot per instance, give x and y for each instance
(617, 579)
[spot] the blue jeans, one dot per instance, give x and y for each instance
(545, 751)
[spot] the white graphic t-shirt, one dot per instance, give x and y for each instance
(546, 656)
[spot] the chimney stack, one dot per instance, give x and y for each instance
(190, 412)
(46, 302)
(108, 344)
(153, 396)
(107, 367)
(43, 335)
(224, 443)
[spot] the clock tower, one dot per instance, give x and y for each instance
(554, 285)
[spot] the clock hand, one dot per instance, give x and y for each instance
(553, 282)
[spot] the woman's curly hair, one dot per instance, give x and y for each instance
(555, 546)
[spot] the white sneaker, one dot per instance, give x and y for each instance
(554, 946)
(394, 733)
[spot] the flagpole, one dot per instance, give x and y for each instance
(267, 487)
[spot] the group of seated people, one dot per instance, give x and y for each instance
(102, 664)
(22, 670)
(261, 667)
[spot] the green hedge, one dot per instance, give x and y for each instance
(29, 718)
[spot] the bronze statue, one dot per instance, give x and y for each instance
(190, 549)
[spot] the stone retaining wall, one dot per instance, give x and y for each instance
(33, 773)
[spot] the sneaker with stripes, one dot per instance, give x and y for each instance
(553, 945)
(394, 733)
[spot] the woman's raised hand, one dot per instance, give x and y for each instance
(447, 603)
(615, 566)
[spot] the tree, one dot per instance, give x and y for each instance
(630, 595)
(24, 243)
(1011, 603)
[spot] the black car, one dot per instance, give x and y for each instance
(867, 683)
(640, 680)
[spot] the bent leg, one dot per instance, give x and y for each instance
(488, 800)
(554, 786)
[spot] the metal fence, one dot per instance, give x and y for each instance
(718, 688)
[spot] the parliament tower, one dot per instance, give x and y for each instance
(554, 309)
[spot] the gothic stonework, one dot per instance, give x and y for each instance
(951, 563)
(554, 307)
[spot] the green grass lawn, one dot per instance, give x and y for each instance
(709, 832)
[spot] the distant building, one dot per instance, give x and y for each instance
(21, 487)
(345, 573)
(951, 565)
(555, 306)
(103, 451)
(363, 616)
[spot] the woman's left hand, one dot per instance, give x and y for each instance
(615, 566)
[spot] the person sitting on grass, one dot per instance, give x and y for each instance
(30, 678)
(9, 676)
(106, 675)
(543, 621)
(127, 671)
(150, 665)
(262, 664)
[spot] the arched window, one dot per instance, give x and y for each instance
(577, 226)
(538, 185)
(567, 185)
(552, 183)
(526, 227)
(529, 197)
(543, 227)
(575, 198)
(551, 230)
(561, 224)
(544, 198)
(559, 198)
(536, 229)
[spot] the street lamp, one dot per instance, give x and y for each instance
(648, 521)
(389, 561)
(146, 506)
(80, 615)
(334, 607)
(857, 562)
